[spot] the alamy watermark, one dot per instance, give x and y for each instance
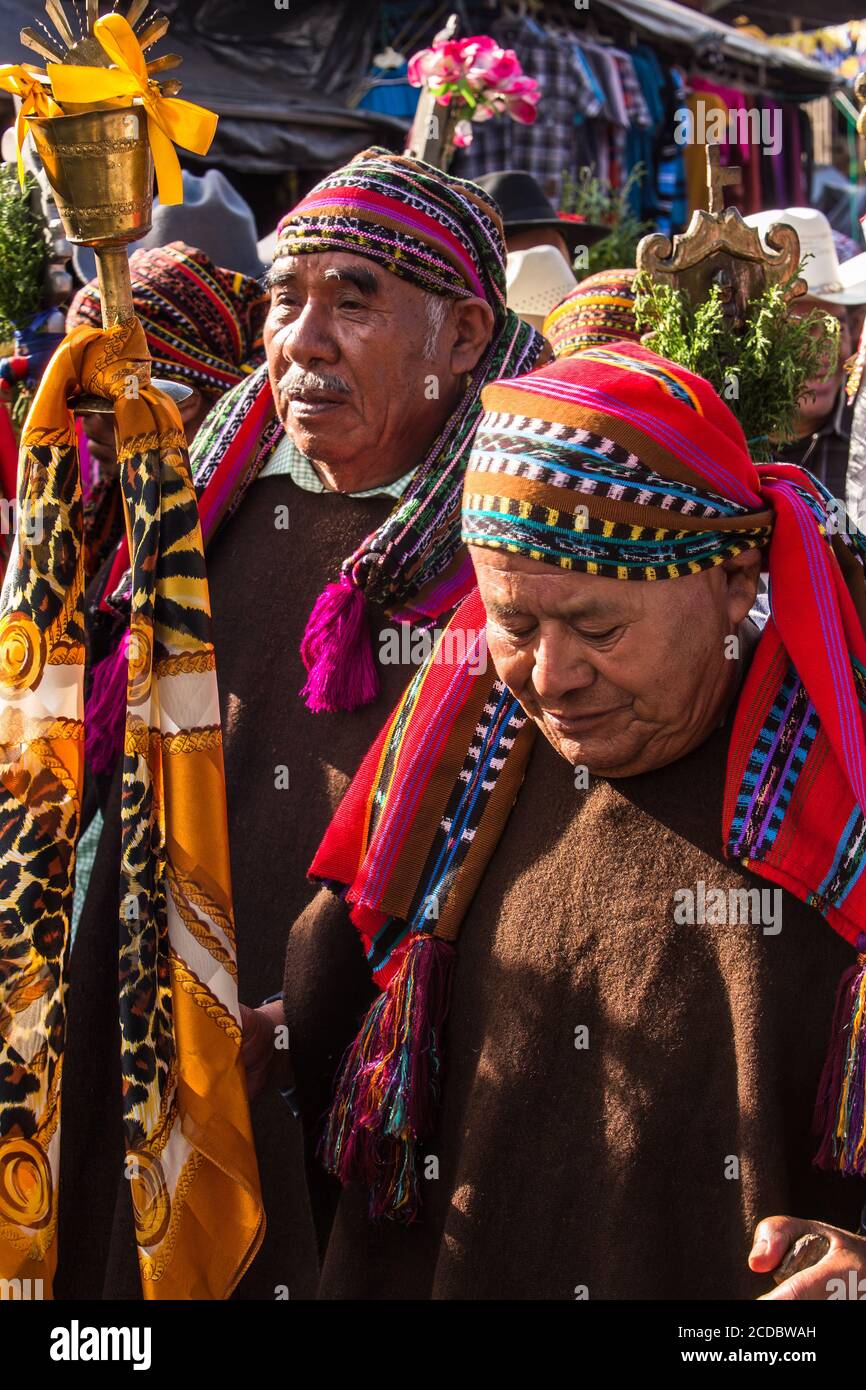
(77, 1343)
(720, 907)
(739, 125)
(404, 645)
(21, 1290)
(27, 521)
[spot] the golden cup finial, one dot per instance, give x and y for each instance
(100, 169)
(98, 155)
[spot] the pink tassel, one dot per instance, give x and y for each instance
(389, 1084)
(105, 714)
(337, 651)
(840, 1112)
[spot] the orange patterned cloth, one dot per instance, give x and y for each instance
(190, 1158)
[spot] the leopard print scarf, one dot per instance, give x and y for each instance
(189, 1147)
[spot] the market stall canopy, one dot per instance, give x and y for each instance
(278, 78)
(774, 18)
(707, 43)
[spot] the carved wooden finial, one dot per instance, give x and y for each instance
(718, 247)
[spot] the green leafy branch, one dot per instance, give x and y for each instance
(597, 202)
(23, 252)
(761, 372)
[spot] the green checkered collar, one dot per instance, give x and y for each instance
(287, 459)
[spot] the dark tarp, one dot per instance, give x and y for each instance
(279, 73)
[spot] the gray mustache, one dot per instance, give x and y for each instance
(296, 379)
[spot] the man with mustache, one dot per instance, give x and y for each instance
(330, 501)
(608, 888)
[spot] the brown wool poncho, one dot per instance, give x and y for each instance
(638, 1165)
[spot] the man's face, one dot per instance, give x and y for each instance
(345, 342)
(814, 409)
(620, 677)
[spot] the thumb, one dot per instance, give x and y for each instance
(773, 1238)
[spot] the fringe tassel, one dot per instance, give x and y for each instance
(390, 1081)
(840, 1111)
(337, 651)
(105, 713)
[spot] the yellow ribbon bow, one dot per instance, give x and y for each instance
(170, 121)
(23, 81)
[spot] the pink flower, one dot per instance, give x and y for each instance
(421, 65)
(476, 70)
(493, 67)
(527, 86)
(486, 63)
(521, 110)
(462, 136)
(437, 65)
(521, 99)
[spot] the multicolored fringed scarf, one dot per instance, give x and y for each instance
(444, 235)
(600, 310)
(618, 464)
(190, 1158)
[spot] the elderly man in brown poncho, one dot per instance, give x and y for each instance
(646, 825)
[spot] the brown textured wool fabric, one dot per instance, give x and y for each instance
(602, 1167)
(263, 583)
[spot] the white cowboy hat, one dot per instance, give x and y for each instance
(852, 273)
(825, 277)
(538, 279)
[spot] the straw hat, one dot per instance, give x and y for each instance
(537, 280)
(825, 277)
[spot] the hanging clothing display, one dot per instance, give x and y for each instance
(615, 107)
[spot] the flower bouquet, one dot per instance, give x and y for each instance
(475, 80)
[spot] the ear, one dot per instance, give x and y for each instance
(472, 327)
(743, 573)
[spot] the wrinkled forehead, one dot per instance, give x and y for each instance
(326, 266)
(502, 574)
(512, 584)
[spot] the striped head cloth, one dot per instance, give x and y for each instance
(621, 464)
(443, 234)
(203, 324)
(600, 310)
(615, 462)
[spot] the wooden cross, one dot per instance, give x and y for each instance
(717, 179)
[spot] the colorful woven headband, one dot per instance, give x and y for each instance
(203, 324)
(644, 476)
(441, 233)
(600, 310)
